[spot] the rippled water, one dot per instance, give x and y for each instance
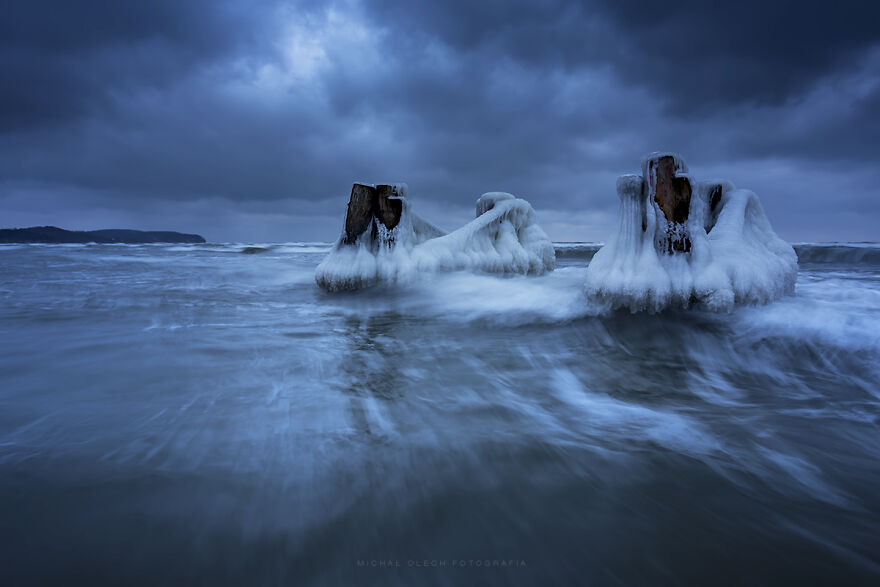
(195, 413)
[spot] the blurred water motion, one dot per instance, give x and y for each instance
(190, 413)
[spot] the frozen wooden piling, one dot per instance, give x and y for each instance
(669, 186)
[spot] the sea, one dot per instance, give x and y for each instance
(205, 414)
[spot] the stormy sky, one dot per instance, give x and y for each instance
(249, 121)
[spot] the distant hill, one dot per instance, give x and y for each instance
(53, 234)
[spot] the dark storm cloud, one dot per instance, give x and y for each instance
(60, 60)
(147, 106)
(694, 53)
(706, 54)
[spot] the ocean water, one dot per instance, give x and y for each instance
(195, 413)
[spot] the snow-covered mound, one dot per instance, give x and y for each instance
(504, 238)
(680, 242)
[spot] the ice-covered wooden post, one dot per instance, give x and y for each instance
(360, 212)
(370, 205)
(681, 243)
(388, 206)
(488, 200)
(667, 184)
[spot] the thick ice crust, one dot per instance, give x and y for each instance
(503, 239)
(734, 257)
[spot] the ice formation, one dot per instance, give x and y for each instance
(680, 242)
(383, 241)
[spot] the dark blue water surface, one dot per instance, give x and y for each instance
(189, 413)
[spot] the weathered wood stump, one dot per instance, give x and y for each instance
(672, 194)
(369, 204)
(673, 197)
(360, 212)
(388, 207)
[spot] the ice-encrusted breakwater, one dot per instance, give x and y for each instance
(384, 241)
(680, 242)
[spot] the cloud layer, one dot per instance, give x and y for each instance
(249, 121)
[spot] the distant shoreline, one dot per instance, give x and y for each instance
(53, 234)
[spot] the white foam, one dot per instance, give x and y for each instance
(627, 422)
(305, 248)
(833, 311)
(463, 297)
